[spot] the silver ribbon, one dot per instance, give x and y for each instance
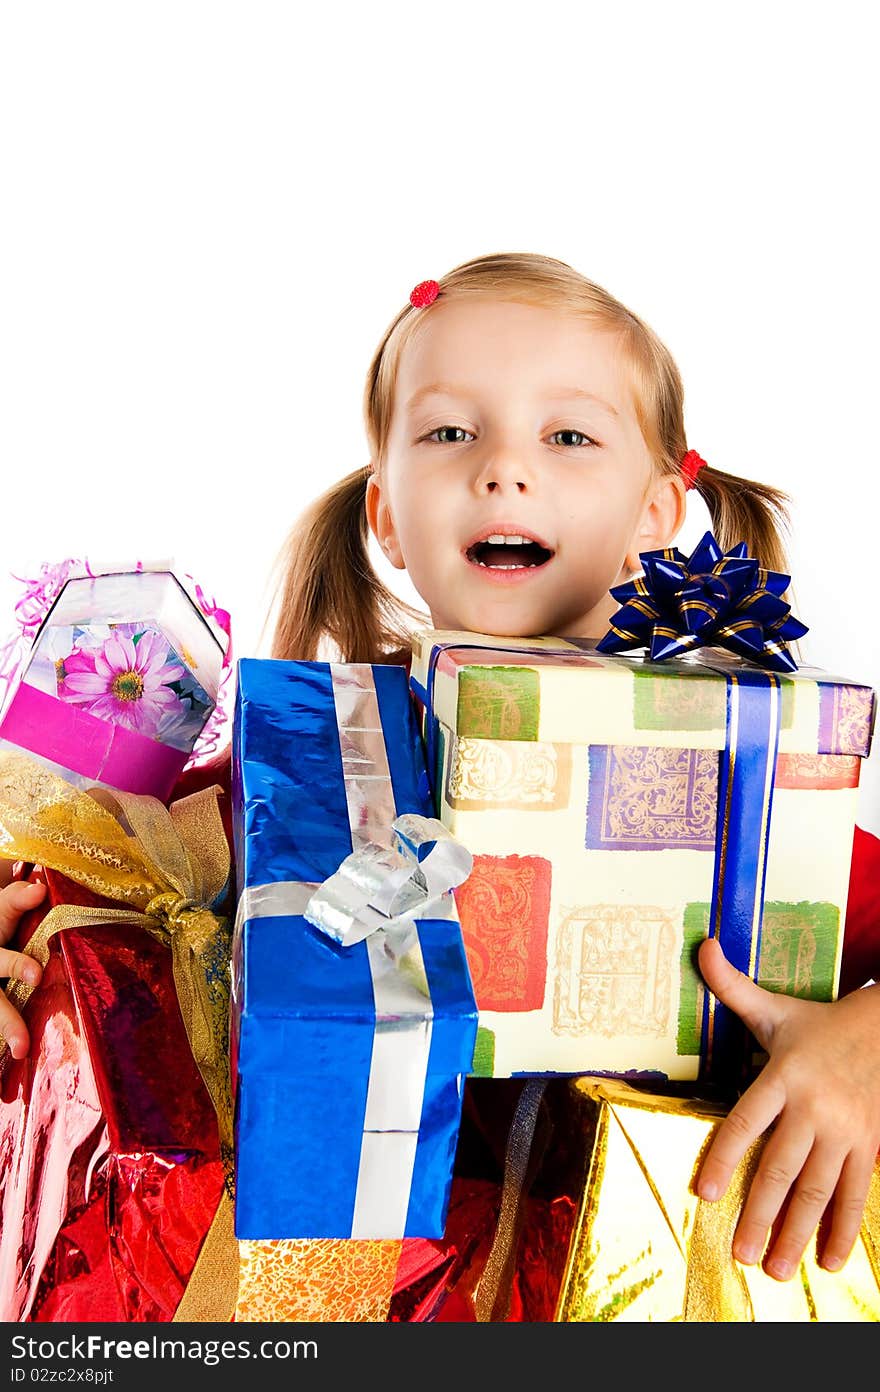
(387, 887)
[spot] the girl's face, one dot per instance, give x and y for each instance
(516, 487)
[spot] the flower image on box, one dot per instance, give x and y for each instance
(122, 678)
(129, 674)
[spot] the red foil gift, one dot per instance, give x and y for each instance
(503, 1253)
(110, 1167)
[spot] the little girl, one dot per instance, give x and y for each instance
(527, 442)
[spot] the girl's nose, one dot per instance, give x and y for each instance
(505, 471)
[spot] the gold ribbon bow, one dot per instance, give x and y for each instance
(168, 866)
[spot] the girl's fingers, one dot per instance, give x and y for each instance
(838, 1234)
(748, 1119)
(807, 1202)
(18, 966)
(783, 1163)
(15, 900)
(757, 1008)
(13, 1028)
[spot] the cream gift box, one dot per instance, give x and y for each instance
(618, 811)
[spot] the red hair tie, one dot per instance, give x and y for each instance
(425, 293)
(691, 465)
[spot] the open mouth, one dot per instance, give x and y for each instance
(508, 552)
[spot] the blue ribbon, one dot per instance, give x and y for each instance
(710, 598)
(745, 796)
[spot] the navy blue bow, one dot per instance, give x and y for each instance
(712, 598)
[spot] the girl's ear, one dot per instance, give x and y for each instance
(661, 518)
(381, 521)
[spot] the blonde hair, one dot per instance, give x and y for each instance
(328, 589)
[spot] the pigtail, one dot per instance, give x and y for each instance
(743, 510)
(329, 590)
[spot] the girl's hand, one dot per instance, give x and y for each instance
(15, 900)
(821, 1088)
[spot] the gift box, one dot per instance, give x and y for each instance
(111, 1175)
(620, 810)
(120, 1110)
(515, 1197)
(110, 1167)
(121, 679)
(645, 1248)
(589, 1215)
(347, 1060)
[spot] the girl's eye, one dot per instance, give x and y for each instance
(577, 438)
(449, 430)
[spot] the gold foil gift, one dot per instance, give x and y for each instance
(645, 1248)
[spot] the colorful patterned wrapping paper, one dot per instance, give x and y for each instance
(122, 678)
(587, 787)
(346, 1108)
(646, 1249)
(110, 1169)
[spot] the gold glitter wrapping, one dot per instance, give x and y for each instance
(645, 1248)
(345, 1280)
(212, 1289)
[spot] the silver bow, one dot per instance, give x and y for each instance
(390, 886)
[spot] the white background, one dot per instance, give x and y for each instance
(210, 213)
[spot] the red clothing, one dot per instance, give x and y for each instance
(861, 942)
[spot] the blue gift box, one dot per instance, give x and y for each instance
(348, 1062)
